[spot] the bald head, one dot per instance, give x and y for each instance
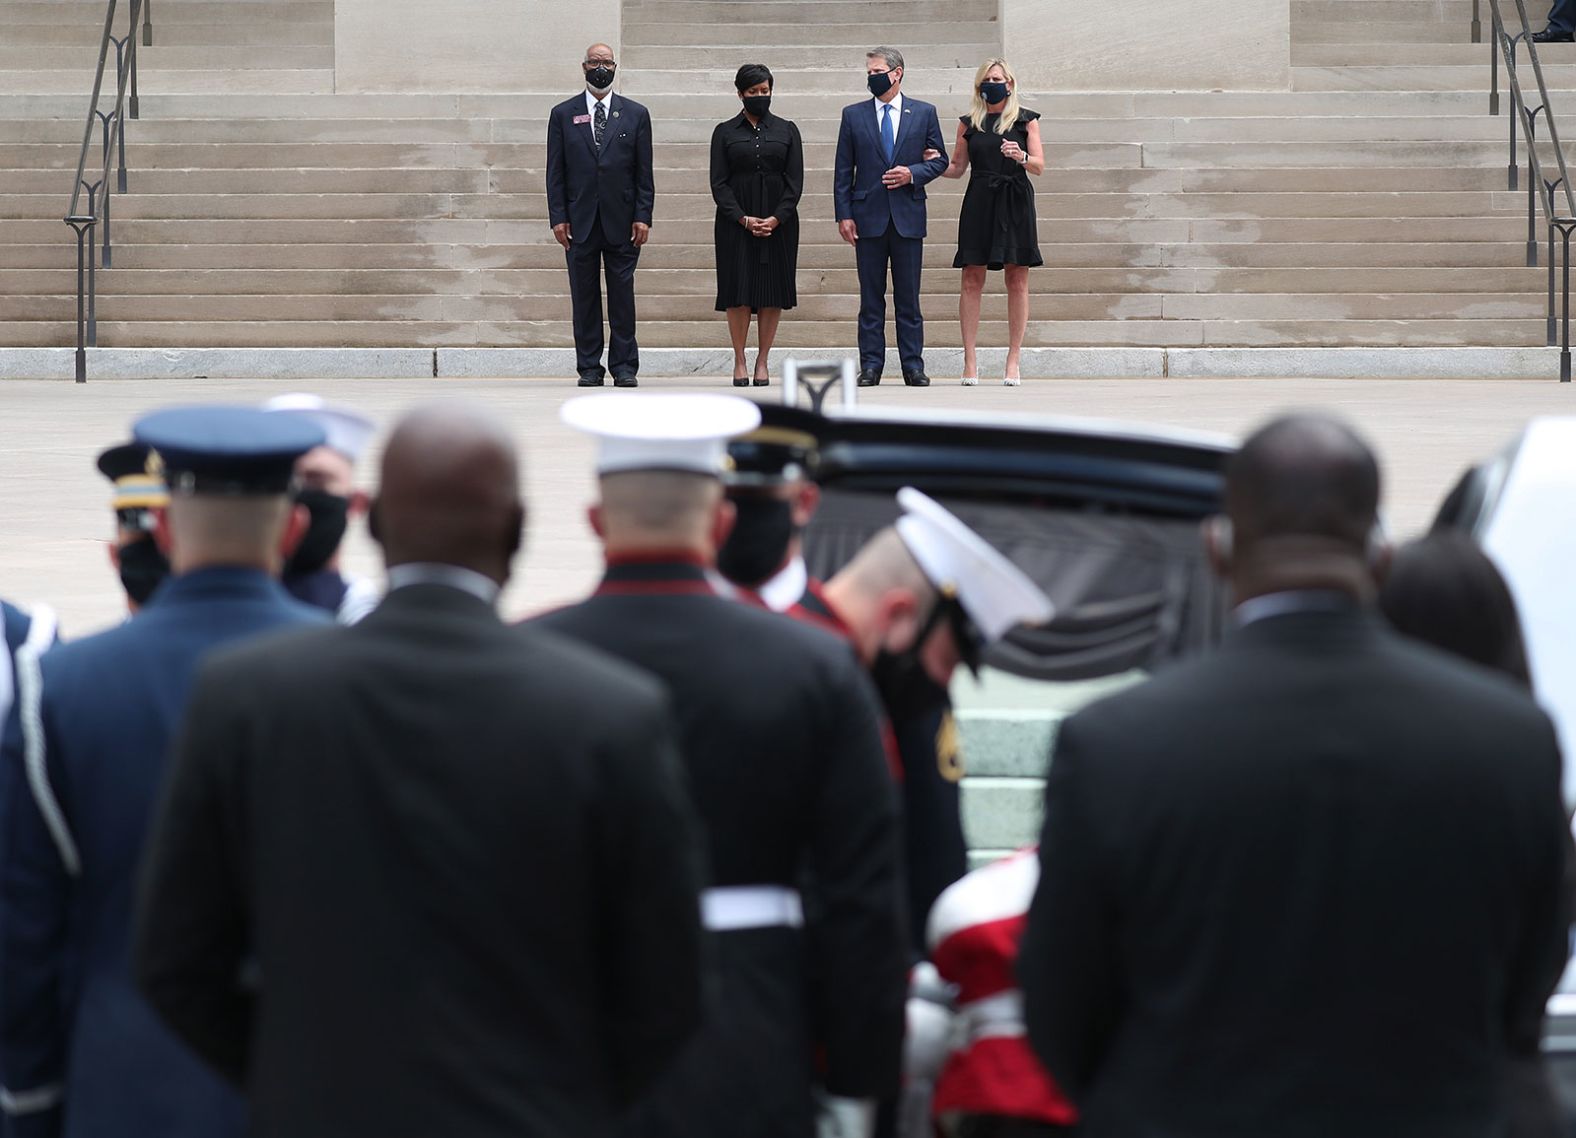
(450, 492)
(599, 52)
(882, 596)
(1302, 496)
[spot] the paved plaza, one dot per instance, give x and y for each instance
(55, 516)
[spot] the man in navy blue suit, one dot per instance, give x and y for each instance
(600, 195)
(1562, 23)
(878, 191)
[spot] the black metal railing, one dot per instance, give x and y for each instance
(1542, 191)
(86, 221)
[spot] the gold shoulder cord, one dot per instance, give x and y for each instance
(949, 750)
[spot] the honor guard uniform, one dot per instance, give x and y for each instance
(771, 483)
(81, 1053)
(326, 486)
(980, 597)
(780, 732)
(139, 494)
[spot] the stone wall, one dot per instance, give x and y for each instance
(1149, 45)
(466, 46)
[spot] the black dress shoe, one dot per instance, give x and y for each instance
(1546, 36)
(625, 381)
(589, 379)
(869, 377)
(916, 379)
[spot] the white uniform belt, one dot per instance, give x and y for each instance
(731, 907)
(994, 1017)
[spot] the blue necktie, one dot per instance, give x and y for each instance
(888, 132)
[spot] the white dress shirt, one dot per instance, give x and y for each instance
(592, 101)
(783, 591)
(484, 589)
(897, 114)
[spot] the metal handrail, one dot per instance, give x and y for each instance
(84, 222)
(1505, 45)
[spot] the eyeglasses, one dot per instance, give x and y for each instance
(598, 63)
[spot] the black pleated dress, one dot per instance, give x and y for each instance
(996, 226)
(756, 171)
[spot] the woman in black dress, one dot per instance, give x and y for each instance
(757, 175)
(996, 229)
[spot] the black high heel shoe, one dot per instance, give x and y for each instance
(741, 381)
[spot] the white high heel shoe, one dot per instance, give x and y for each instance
(1011, 380)
(970, 380)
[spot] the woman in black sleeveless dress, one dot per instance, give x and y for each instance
(1000, 141)
(757, 175)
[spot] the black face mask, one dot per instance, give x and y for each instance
(879, 82)
(758, 544)
(143, 568)
(330, 513)
(993, 93)
(907, 691)
(757, 105)
(600, 78)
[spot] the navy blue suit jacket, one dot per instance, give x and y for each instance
(614, 185)
(857, 191)
(81, 1052)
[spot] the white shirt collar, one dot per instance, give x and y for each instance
(783, 591)
(484, 589)
(897, 110)
(591, 102)
(1293, 600)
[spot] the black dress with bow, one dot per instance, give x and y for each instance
(996, 226)
(756, 171)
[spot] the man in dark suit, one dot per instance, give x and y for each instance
(781, 740)
(81, 1051)
(878, 193)
(459, 855)
(1310, 885)
(1562, 23)
(600, 195)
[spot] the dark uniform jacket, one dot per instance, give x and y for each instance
(613, 187)
(1309, 886)
(935, 853)
(81, 1053)
(462, 859)
(781, 738)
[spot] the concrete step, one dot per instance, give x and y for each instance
(421, 179)
(645, 13)
(468, 231)
(297, 81)
(274, 32)
(794, 334)
(1305, 31)
(1392, 53)
(160, 59)
(931, 82)
(680, 207)
(169, 13)
(1396, 11)
(938, 255)
(791, 62)
(702, 282)
(941, 309)
(749, 35)
(1418, 77)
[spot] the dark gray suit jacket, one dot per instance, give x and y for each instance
(463, 861)
(1309, 886)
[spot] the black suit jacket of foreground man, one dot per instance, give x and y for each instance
(1308, 887)
(463, 860)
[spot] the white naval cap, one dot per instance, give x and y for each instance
(348, 431)
(662, 431)
(995, 593)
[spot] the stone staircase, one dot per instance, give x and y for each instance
(1366, 206)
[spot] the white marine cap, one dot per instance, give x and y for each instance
(662, 431)
(348, 431)
(995, 593)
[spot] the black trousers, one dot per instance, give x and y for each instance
(588, 259)
(1562, 17)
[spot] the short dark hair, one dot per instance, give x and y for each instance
(751, 74)
(1443, 590)
(1303, 475)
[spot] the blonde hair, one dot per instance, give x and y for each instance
(1009, 113)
